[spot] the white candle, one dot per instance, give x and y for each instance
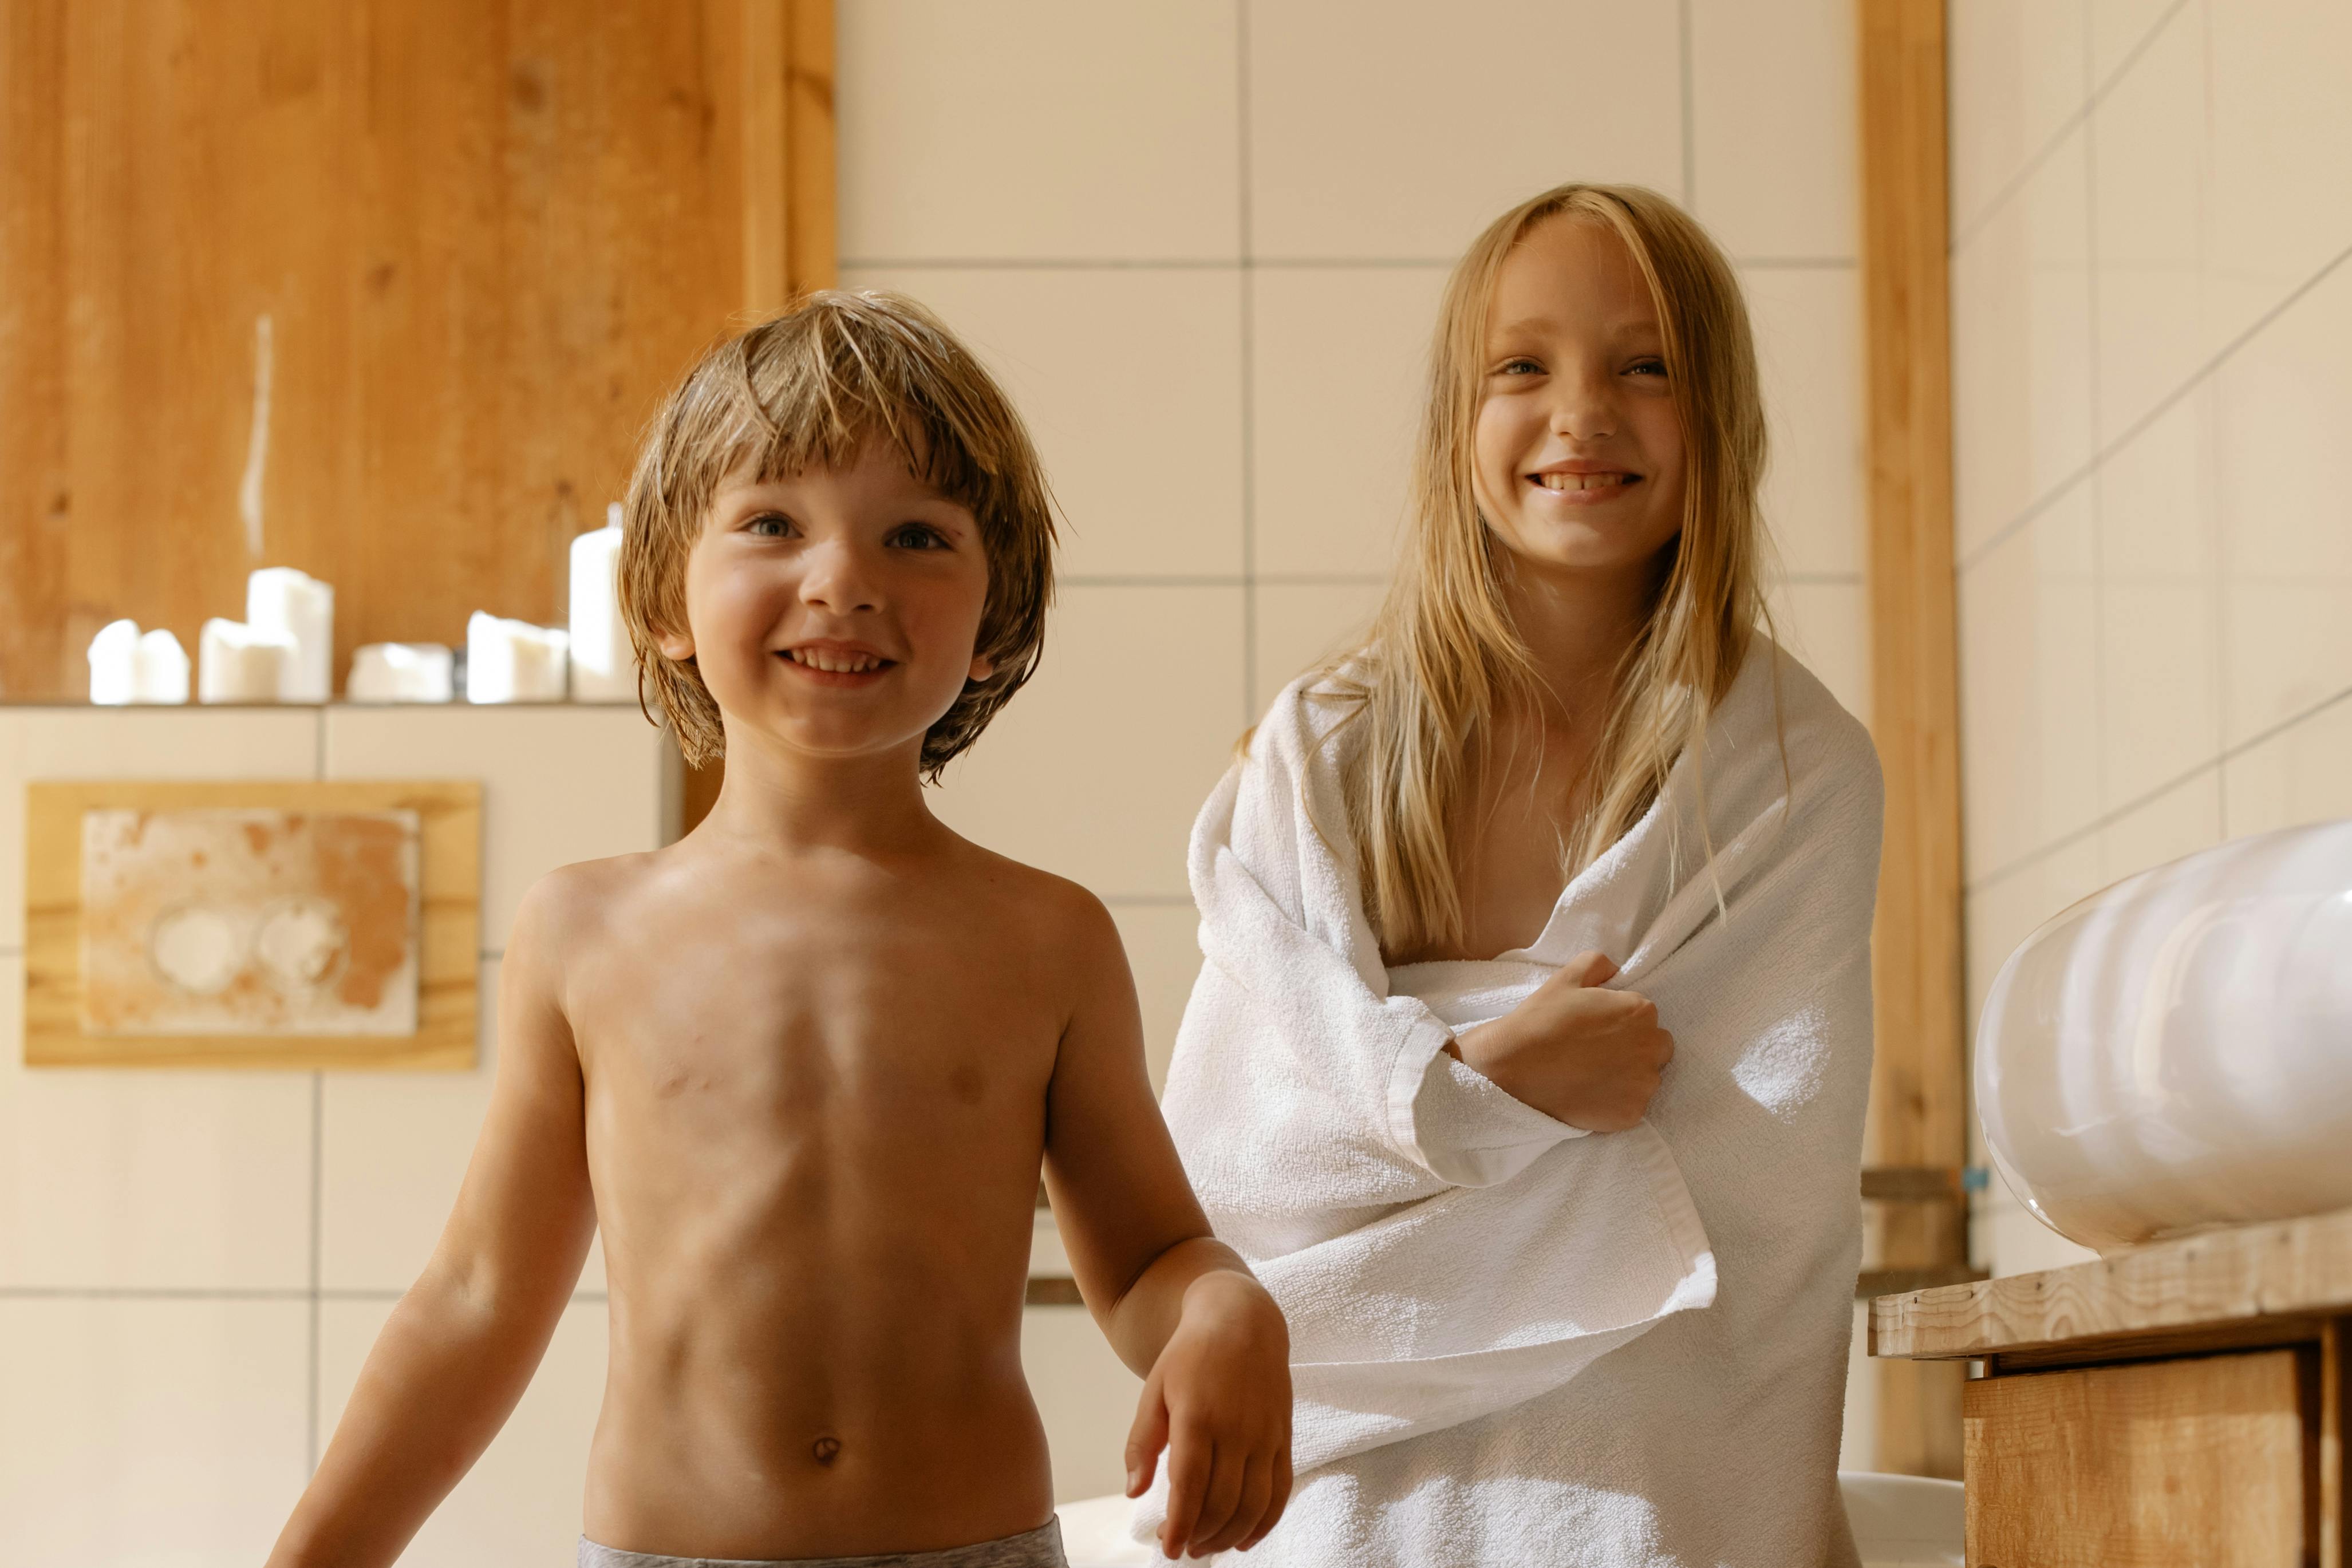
(113, 664)
(603, 670)
(301, 608)
(513, 660)
(159, 674)
(400, 673)
(238, 663)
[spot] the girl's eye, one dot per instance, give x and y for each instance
(1647, 368)
(769, 525)
(919, 535)
(1519, 367)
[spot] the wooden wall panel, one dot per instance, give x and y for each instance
(485, 238)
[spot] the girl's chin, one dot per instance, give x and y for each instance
(1588, 544)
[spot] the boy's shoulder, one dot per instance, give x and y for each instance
(569, 897)
(1040, 904)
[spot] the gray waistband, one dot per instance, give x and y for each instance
(1038, 1548)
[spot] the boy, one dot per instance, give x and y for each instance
(802, 1066)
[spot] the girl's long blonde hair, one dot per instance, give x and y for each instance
(1443, 659)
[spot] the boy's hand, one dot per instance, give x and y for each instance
(1588, 1057)
(1219, 1400)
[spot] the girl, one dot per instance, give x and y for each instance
(1567, 815)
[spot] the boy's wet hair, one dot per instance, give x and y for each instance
(809, 389)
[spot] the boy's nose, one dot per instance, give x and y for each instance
(835, 578)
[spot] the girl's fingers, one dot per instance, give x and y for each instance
(1228, 1471)
(1188, 1480)
(1257, 1488)
(1146, 1438)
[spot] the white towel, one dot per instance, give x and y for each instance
(1444, 1251)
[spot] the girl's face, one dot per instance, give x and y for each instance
(835, 611)
(1578, 460)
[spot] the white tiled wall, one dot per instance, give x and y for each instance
(2152, 336)
(1203, 244)
(193, 1263)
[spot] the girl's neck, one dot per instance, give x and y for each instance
(1576, 624)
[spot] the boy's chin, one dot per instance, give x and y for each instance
(828, 740)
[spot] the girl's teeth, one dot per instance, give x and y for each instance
(1580, 481)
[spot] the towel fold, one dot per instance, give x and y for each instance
(1442, 1250)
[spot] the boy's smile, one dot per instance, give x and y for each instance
(835, 613)
(836, 663)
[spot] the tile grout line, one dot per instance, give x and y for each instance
(1689, 113)
(2163, 406)
(2221, 759)
(2098, 497)
(318, 1197)
(1244, 233)
(2096, 93)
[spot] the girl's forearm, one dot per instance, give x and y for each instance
(443, 1375)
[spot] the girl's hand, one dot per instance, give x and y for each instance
(1218, 1399)
(1582, 1055)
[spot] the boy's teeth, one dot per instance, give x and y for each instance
(835, 663)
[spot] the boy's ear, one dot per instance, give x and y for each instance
(983, 666)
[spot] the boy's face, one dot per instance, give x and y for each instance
(836, 610)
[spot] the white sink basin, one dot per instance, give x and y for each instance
(2175, 1053)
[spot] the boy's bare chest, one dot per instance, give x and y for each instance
(800, 1013)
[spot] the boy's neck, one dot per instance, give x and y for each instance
(781, 801)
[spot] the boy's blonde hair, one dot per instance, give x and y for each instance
(809, 389)
(1443, 657)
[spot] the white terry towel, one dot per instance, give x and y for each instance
(1444, 1251)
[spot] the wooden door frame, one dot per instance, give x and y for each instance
(1918, 1090)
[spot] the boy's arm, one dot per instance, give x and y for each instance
(461, 1345)
(1179, 1307)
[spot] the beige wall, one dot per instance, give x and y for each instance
(1203, 244)
(2152, 327)
(193, 1264)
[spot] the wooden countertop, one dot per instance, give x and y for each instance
(2253, 1285)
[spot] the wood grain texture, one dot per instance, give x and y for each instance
(2150, 1466)
(485, 237)
(1918, 1087)
(2296, 1268)
(449, 898)
(2333, 1456)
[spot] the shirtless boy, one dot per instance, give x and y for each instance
(802, 1066)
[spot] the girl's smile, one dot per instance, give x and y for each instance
(1577, 449)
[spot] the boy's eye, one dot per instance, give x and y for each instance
(769, 525)
(919, 535)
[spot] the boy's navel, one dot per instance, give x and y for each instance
(827, 1448)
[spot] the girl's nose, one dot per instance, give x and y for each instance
(1586, 409)
(836, 577)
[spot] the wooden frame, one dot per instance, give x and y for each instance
(1919, 1096)
(450, 880)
